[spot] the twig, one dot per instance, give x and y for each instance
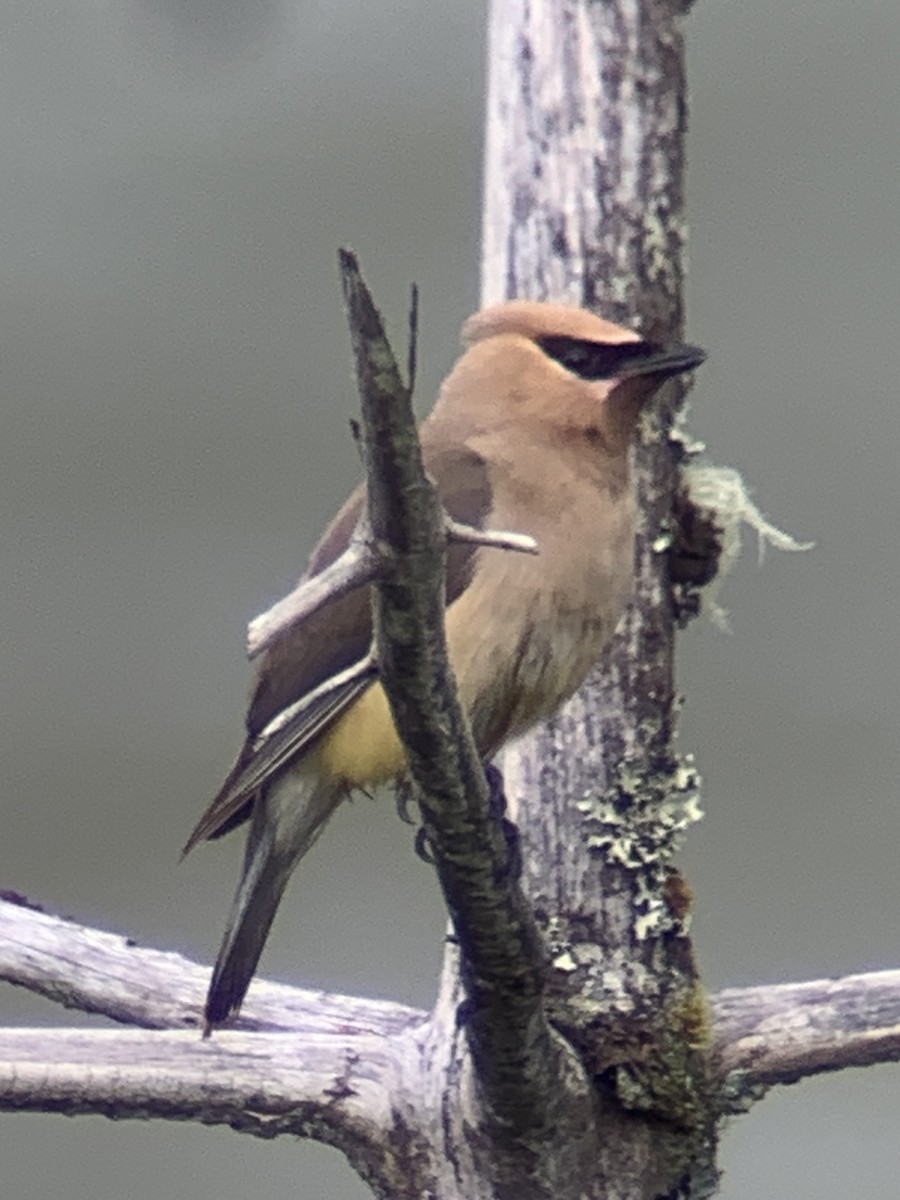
(458, 532)
(359, 565)
(412, 351)
(355, 567)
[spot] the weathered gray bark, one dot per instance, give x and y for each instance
(381, 1082)
(584, 202)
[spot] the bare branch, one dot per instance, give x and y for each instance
(335, 1089)
(355, 567)
(412, 350)
(518, 1062)
(781, 1034)
(106, 973)
(354, 1050)
(458, 532)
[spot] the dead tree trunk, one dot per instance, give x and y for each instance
(583, 202)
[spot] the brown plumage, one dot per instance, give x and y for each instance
(530, 433)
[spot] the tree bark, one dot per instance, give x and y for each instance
(584, 203)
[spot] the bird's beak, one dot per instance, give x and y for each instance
(665, 361)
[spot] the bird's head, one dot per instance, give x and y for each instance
(564, 368)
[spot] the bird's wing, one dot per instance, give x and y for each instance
(306, 678)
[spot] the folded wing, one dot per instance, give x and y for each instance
(317, 667)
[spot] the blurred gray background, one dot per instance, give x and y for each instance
(176, 384)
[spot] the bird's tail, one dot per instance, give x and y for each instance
(287, 819)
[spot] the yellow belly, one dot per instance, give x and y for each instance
(362, 747)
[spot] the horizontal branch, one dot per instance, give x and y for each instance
(345, 1071)
(783, 1033)
(332, 1087)
(762, 1036)
(108, 974)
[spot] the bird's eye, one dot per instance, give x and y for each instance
(595, 360)
(576, 356)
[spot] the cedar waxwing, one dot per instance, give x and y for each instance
(531, 434)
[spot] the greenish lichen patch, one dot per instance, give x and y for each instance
(640, 823)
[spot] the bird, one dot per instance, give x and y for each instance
(531, 433)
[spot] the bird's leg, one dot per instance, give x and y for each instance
(405, 796)
(423, 846)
